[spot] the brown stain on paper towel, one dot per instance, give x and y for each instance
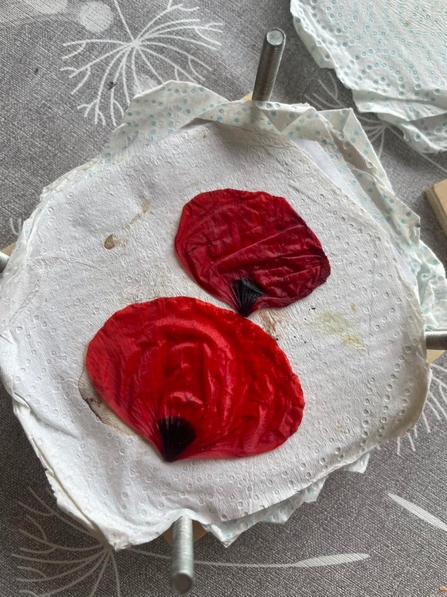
(111, 242)
(119, 239)
(269, 323)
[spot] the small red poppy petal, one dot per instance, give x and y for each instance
(195, 380)
(250, 249)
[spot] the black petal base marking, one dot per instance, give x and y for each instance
(176, 435)
(247, 293)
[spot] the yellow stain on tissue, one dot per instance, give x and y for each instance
(331, 323)
(354, 341)
(342, 430)
(119, 239)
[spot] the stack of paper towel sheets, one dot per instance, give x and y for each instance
(62, 283)
(391, 54)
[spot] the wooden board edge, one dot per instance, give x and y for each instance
(433, 355)
(8, 250)
(435, 203)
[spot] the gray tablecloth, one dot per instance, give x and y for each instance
(381, 533)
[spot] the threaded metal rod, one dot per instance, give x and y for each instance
(436, 340)
(3, 261)
(269, 62)
(182, 563)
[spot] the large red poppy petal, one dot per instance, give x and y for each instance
(195, 380)
(250, 249)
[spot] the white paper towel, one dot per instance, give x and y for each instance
(391, 53)
(331, 137)
(359, 352)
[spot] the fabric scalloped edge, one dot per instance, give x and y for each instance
(363, 175)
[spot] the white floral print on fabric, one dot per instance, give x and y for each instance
(125, 67)
(419, 512)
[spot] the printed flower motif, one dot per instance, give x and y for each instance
(419, 512)
(195, 380)
(250, 249)
(133, 62)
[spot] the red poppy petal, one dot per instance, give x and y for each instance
(195, 380)
(250, 249)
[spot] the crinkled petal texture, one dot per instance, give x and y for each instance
(250, 249)
(195, 380)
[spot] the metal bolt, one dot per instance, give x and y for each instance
(269, 62)
(182, 563)
(436, 340)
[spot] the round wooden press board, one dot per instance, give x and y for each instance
(106, 241)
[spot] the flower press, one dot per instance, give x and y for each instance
(209, 318)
